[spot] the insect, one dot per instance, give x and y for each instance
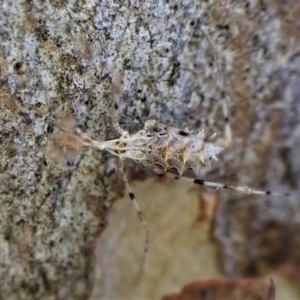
(167, 150)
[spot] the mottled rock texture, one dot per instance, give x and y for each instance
(51, 55)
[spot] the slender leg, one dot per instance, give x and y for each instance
(242, 189)
(216, 185)
(140, 214)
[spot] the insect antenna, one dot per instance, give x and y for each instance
(227, 138)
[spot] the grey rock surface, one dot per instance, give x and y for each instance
(51, 56)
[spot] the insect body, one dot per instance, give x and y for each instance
(166, 150)
(163, 148)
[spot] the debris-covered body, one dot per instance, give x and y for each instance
(163, 148)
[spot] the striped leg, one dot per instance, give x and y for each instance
(140, 214)
(216, 185)
(242, 189)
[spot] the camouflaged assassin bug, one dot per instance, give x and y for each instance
(164, 149)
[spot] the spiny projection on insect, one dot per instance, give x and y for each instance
(164, 149)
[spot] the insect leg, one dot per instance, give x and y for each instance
(241, 189)
(140, 214)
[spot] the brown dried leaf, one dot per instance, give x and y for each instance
(226, 289)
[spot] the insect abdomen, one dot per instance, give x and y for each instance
(175, 152)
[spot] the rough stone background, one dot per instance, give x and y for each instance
(51, 66)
